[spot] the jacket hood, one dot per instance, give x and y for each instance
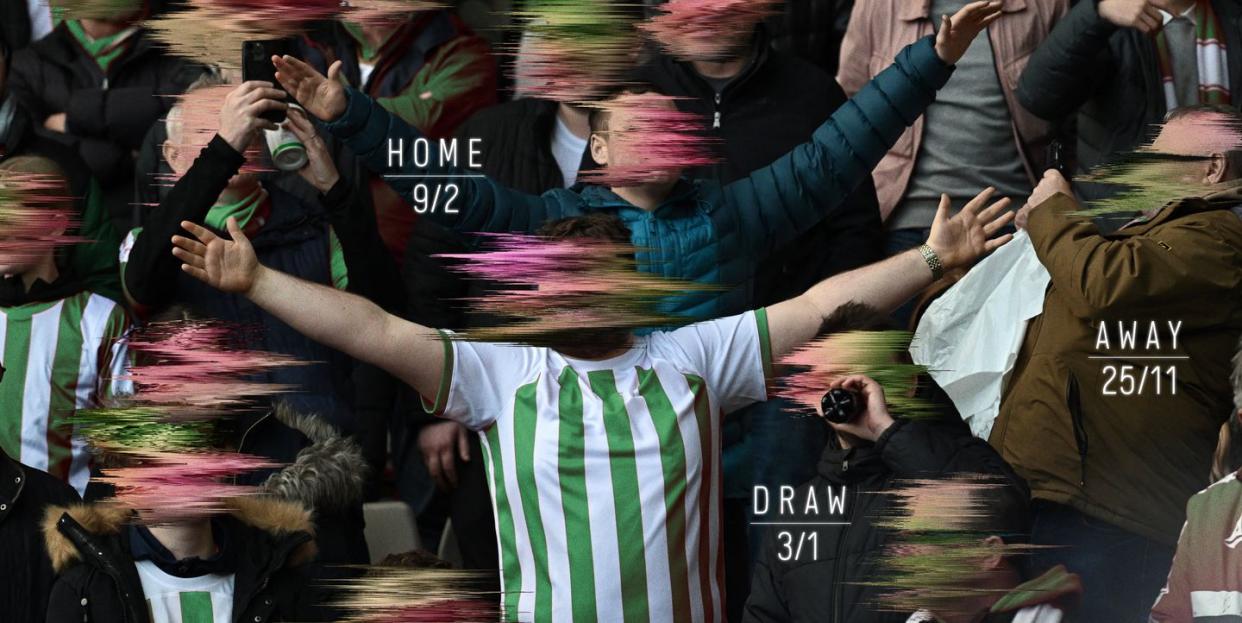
(327, 475)
(107, 519)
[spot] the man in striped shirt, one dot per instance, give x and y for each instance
(61, 344)
(603, 453)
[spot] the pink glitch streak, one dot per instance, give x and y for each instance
(706, 29)
(36, 211)
(664, 140)
(165, 487)
(197, 368)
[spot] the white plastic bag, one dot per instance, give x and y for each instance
(969, 338)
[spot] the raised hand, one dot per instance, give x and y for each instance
(227, 265)
(239, 116)
(1142, 15)
(320, 96)
(966, 237)
(957, 32)
(320, 171)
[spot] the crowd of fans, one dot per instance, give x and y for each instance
(611, 474)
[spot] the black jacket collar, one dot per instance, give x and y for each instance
(850, 465)
(13, 291)
(61, 48)
(690, 81)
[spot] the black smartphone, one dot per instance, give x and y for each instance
(257, 65)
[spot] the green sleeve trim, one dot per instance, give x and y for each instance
(446, 379)
(765, 342)
(336, 260)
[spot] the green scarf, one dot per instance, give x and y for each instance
(242, 210)
(369, 54)
(104, 49)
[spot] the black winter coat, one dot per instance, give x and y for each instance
(25, 495)
(107, 115)
(99, 583)
(826, 585)
(773, 106)
(1110, 77)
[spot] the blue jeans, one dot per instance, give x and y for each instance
(1122, 572)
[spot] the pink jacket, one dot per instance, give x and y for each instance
(880, 28)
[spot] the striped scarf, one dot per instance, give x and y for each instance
(1212, 56)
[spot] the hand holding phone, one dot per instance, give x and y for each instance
(257, 66)
(245, 112)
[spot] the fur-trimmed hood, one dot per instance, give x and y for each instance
(106, 519)
(327, 475)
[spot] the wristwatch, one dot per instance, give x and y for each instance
(933, 261)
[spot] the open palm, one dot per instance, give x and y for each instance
(321, 96)
(224, 264)
(956, 33)
(966, 237)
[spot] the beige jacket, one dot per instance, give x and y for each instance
(880, 28)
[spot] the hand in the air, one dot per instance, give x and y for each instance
(957, 32)
(240, 115)
(875, 418)
(320, 96)
(320, 171)
(227, 265)
(966, 237)
(1052, 184)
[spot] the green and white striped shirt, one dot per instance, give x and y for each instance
(606, 474)
(199, 599)
(59, 357)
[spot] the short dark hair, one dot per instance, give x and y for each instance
(855, 316)
(595, 226)
(599, 115)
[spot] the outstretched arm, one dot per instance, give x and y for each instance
(957, 241)
(474, 203)
(346, 322)
(811, 182)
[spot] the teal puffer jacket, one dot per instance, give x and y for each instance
(704, 232)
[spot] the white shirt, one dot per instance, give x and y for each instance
(176, 600)
(1188, 15)
(567, 148)
(364, 72)
(40, 18)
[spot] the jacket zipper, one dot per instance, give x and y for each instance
(716, 118)
(1080, 429)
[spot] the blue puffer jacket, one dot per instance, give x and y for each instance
(703, 232)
